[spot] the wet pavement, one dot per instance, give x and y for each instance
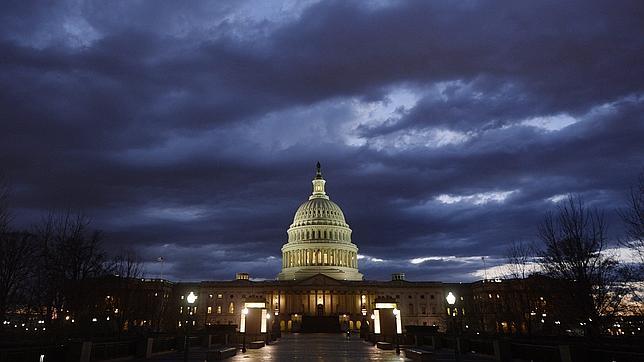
(319, 347)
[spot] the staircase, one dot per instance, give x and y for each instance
(328, 324)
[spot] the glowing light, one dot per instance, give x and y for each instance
(191, 298)
(451, 298)
(255, 305)
(245, 311)
(385, 305)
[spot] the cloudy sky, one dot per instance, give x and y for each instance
(190, 130)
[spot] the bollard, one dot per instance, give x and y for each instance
(564, 353)
(86, 352)
(502, 351)
(148, 348)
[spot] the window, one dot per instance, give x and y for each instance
(218, 311)
(431, 296)
(423, 309)
(422, 296)
(231, 308)
(232, 296)
(411, 309)
(180, 310)
(219, 296)
(209, 310)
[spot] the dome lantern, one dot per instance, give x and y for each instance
(318, 185)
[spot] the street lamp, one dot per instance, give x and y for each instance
(451, 300)
(277, 333)
(245, 313)
(397, 316)
(190, 299)
(268, 330)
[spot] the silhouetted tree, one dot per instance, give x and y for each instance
(633, 218)
(127, 264)
(16, 250)
(574, 242)
(521, 299)
(69, 252)
(519, 258)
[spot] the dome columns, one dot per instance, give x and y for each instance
(319, 240)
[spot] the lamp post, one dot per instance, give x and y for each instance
(397, 315)
(451, 300)
(268, 327)
(373, 322)
(190, 300)
(277, 333)
(364, 328)
(245, 313)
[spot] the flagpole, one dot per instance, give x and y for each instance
(162, 260)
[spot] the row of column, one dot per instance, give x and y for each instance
(332, 302)
(318, 257)
(319, 234)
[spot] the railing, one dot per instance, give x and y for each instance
(163, 344)
(111, 350)
(555, 349)
(535, 352)
(29, 354)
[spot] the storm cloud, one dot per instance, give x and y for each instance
(445, 129)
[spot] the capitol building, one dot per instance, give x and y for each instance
(320, 279)
(319, 240)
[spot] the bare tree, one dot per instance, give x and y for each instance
(69, 252)
(633, 218)
(16, 250)
(574, 241)
(519, 257)
(5, 215)
(127, 264)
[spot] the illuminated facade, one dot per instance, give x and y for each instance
(319, 240)
(319, 279)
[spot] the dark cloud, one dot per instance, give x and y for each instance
(445, 130)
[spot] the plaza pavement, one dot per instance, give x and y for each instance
(318, 347)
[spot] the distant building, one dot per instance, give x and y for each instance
(320, 282)
(319, 278)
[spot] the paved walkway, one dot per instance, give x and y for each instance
(319, 347)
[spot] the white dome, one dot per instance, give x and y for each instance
(319, 211)
(319, 240)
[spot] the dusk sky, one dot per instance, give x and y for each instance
(190, 130)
